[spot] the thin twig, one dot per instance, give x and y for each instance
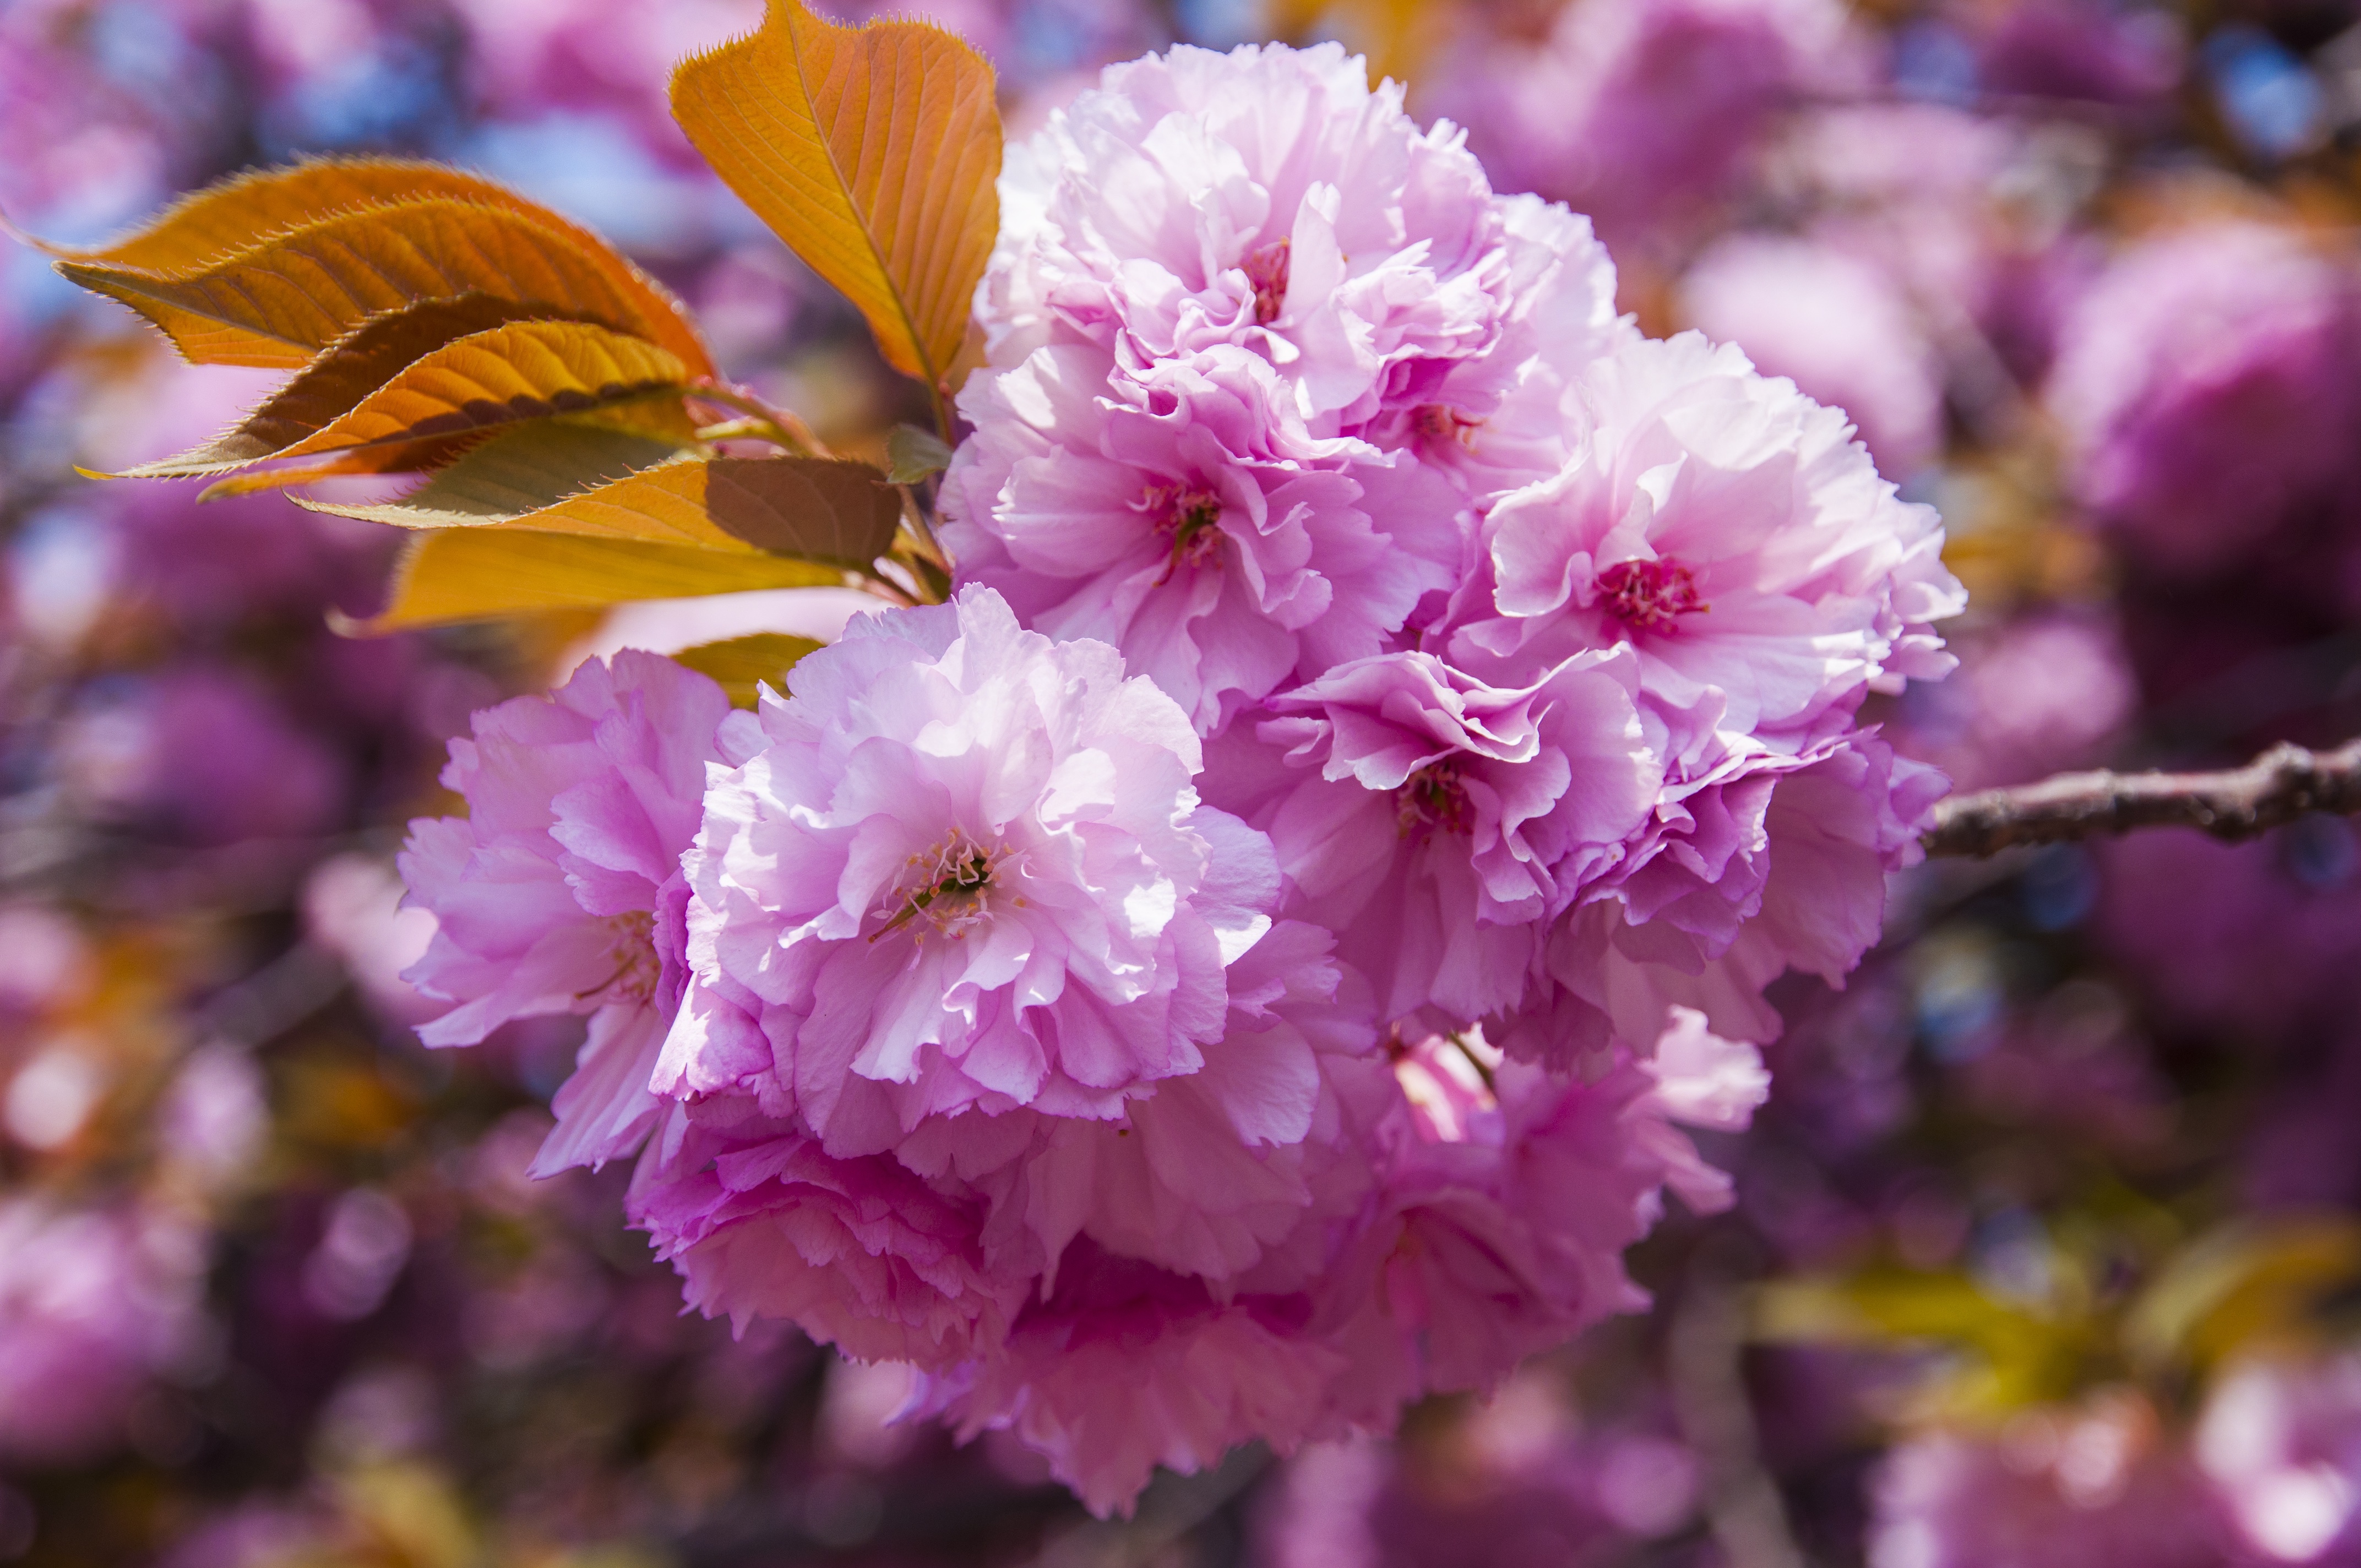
(1742, 1502)
(2283, 784)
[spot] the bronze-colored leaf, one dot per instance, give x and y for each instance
(281, 302)
(741, 664)
(481, 384)
(337, 382)
(872, 152)
(475, 573)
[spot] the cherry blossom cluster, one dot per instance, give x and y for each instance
(1249, 960)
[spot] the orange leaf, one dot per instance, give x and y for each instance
(505, 377)
(475, 574)
(559, 515)
(291, 294)
(231, 215)
(562, 476)
(872, 152)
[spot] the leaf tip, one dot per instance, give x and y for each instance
(24, 236)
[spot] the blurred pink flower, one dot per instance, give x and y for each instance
(2043, 693)
(2280, 1440)
(353, 906)
(94, 1304)
(2063, 1489)
(612, 57)
(204, 753)
(1842, 328)
(1641, 112)
(2205, 381)
(2196, 920)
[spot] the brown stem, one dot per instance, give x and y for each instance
(775, 425)
(2283, 784)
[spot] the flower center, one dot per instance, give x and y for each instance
(637, 968)
(1435, 797)
(1267, 269)
(1438, 422)
(1650, 596)
(949, 887)
(1193, 517)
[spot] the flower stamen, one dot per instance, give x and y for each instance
(1650, 596)
(1268, 270)
(1439, 422)
(1193, 517)
(951, 889)
(637, 966)
(1435, 798)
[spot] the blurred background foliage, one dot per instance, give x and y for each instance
(2047, 1248)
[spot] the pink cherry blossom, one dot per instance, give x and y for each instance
(1214, 1173)
(1768, 862)
(1480, 1215)
(1127, 1367)
(1438, 824)
(1256, 343)
(762, 1222)
(561, 891)
(1265, 200)
(966, 868)
(1728, 528)
(926, 1254)
(1171, 524)
(1505, 1197)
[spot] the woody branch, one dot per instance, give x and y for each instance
(2283, 784)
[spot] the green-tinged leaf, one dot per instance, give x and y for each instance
(2019, 1356)
(741, 664)
(517, 474)
(473, 574)
(338, 381)
(2249, 1283)
(873, 151)
(912, 455)
(294, 293)
(374, 463)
